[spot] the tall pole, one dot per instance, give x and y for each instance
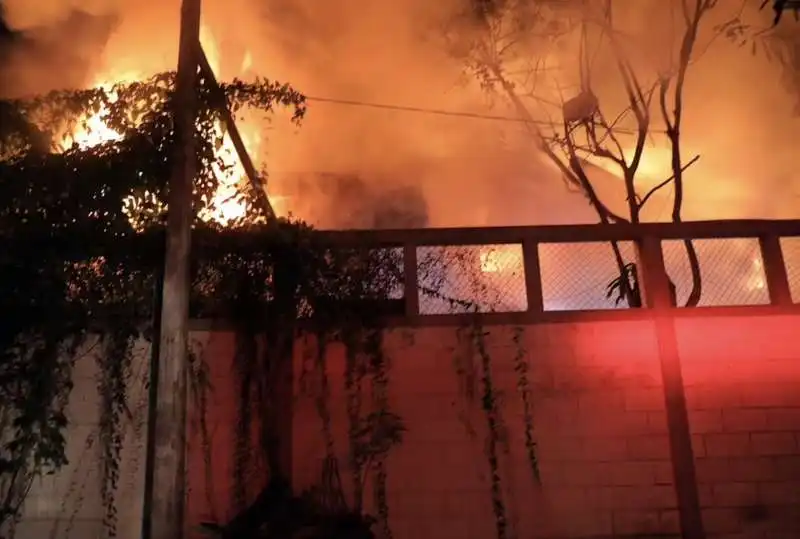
(169, 444)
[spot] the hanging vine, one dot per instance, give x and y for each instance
(114, 366)
(493, 423)
(379, 369)
(199, 388)
(353, 385)
(81, 227)
(523, 388)
(83, 234)
(323, 396)
(472, 362)
(293, 286)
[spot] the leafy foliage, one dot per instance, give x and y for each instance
(83, 225)
(83, 229)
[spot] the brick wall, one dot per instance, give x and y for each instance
(598, 421)
(600, 425)
(68, 505)
(213, 478)
(742, 378)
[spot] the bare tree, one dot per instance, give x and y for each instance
(507, 58)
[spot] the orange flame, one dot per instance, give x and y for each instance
(226, 205)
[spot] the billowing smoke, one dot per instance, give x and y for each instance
(469, 171)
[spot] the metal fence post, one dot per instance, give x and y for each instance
(655, 284)
(533, 275)
(410, 285)
(775, 271)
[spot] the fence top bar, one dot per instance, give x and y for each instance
(249, 240)
(562, 233)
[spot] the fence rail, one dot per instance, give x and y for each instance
(563, 233)
(533, 271)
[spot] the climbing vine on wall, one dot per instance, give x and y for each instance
(524, 390)
(491, 412)
(392, 425)
(296, 291)
(83, 234)
(82, 230)
(474, 366)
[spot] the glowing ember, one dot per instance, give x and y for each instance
(137, 208)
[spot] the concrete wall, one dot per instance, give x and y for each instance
(598, 420)
(600, 425)
(742, 377)
(69, 504)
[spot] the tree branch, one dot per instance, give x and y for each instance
(667, 181)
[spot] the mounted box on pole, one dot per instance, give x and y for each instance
(167, 495)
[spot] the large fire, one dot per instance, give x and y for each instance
(226, 205)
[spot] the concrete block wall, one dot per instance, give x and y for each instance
(742, 380)
(68, 505)
(212, 435)
(598, 420)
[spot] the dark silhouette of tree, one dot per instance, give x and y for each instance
(585, 131)
(779, 7)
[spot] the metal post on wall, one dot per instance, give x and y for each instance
(167, 486)
(533, 276)
(658, 297)
(774, 266)
(410, 281)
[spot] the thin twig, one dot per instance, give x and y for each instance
(652, 191)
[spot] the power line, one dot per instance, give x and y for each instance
(421, 110)
(442, 112)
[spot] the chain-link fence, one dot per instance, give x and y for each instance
(471, 278)
(594, 275)
(731, 271)
(586, 276)
(574, 276)
(791, 258)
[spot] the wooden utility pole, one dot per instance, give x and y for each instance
(167, 496)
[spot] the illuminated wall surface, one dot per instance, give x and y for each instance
(599, 419)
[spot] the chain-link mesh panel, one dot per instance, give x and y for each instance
(731, 271)
(391, 272)
(471, 278)
(791, 258)
(587, 276)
